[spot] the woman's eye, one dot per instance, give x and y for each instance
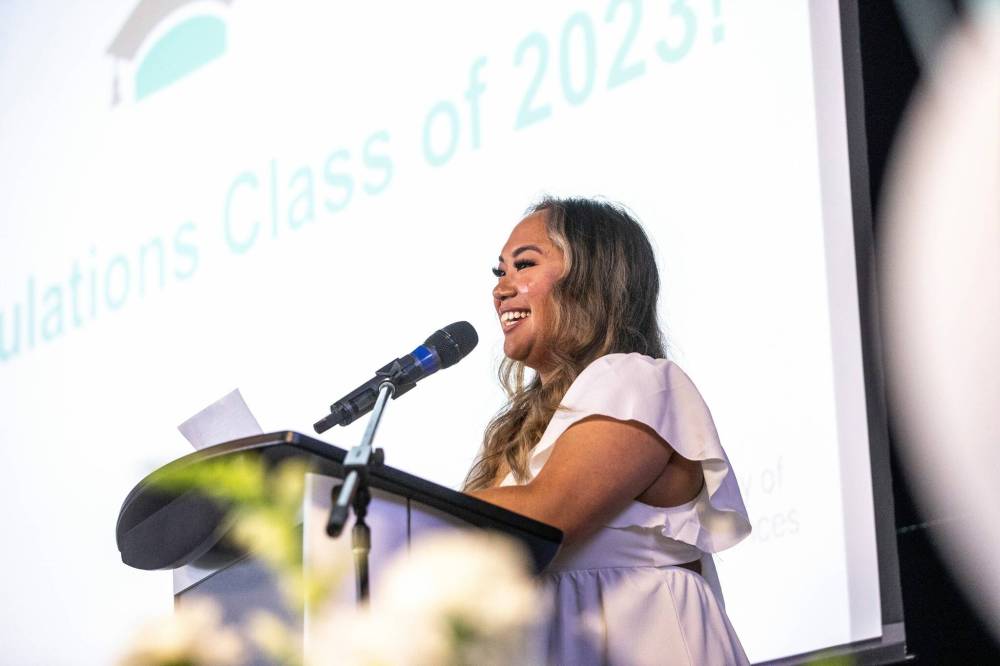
(518, 265)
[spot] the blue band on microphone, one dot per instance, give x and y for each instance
(427, 359)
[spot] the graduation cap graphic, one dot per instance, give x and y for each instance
(184, 48)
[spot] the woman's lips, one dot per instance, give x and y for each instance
(510, 326)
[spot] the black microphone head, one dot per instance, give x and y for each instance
(453, 342)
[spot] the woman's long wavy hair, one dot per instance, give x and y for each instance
(604, 303)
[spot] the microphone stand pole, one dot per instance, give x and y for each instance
(354, 492)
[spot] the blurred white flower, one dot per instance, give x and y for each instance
(193, 635)
(940, 273)
(365, 637)
(476, 578)
(455, 597)
(274, 637)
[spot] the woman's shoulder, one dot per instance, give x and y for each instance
(630, 372)
(632, 387)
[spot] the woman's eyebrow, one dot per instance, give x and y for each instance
(521, 250)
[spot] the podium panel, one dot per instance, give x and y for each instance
(189, 532)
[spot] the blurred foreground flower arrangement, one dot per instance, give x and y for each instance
(193, 635)
(455, 597)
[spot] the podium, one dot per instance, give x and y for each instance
(188, 532)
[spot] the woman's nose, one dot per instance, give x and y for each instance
(504, 289)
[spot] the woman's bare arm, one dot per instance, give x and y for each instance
(596, 467)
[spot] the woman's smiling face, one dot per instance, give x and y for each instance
(530, 265)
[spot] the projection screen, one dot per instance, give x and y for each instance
(200, 195)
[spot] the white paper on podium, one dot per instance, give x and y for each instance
(225, 419)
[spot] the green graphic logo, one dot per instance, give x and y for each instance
(181, 50)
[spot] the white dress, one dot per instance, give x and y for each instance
(617, 598)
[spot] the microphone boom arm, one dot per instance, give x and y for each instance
(354, 491)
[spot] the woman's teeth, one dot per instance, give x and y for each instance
(511, 317)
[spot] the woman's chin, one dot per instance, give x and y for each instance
(514, 351)
(514, 355)
(522, 352)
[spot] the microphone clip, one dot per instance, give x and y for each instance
(395, 373)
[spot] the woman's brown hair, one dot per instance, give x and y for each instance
(605, 303)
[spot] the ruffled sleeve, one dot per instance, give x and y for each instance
(657, 393)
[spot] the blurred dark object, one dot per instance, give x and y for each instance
(941, 627)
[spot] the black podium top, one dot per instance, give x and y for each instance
(162, 530)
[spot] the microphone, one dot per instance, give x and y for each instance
(442, 349)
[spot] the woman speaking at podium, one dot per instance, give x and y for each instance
(610, 442)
